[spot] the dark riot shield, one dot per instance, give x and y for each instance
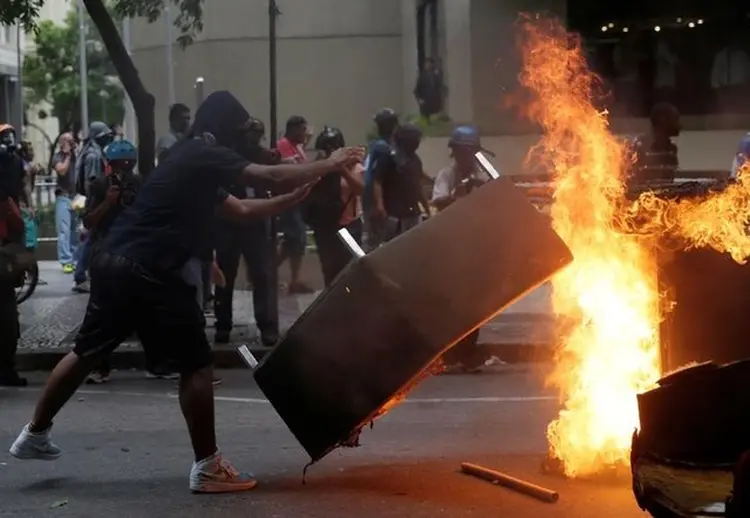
(390, 314)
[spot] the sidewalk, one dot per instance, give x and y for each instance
(50, 319)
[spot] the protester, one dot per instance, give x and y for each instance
(333, 204)
(63, 163)
(90, 166)
(452, 183)
(386, 122)
(179, 122)
(429, 89)
(107, 197)
(294, 232)
(656, 153)
(138, 286)
(250, 240)
(398, 199)
(11, 232)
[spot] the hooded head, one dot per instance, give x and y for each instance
(224, 117)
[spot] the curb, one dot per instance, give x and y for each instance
(226, 357)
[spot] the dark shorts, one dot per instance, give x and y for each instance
(294, 232)
(161, 309)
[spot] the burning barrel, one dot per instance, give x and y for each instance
(707, 293)
(381, 324)
(693, 425)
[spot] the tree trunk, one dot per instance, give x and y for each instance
(143, 101)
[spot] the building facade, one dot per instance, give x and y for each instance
(9, 76)
(341, 60)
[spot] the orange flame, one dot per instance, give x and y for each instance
(610, 292)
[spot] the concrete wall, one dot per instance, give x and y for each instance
(495, 59)
(698, 150)
(338, 60)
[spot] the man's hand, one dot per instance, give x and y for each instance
(346, 157)
(113, 194)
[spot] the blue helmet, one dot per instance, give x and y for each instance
(465, 136)
(121, 150)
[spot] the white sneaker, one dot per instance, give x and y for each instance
(35, 446)
(216, 475)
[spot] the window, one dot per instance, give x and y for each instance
(8, 34)
(697, 60)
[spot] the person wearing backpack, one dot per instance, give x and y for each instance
(333, 204)
(386, 123)
(397, 178)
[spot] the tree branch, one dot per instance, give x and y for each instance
(143, 101)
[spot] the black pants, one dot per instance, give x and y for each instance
(332, 253)
(251, 241)
(466, 352)
(9, 328)
(161, 308)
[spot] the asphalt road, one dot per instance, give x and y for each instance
(127, 455)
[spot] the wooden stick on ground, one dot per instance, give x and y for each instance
(516, 484)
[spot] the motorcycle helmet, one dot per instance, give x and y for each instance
(466, 137)
(9, 144)
(329, 140)
(122, 151)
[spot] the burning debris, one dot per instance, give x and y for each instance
(610, 290)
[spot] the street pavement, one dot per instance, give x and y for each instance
(128, 456)
(50, 318)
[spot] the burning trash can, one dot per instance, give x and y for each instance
(371, 335)
(693, 427)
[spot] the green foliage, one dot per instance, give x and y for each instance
(51, 73)
(20, 11)
(439, 125)
(189, 20)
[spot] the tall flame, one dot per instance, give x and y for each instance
(610, 292)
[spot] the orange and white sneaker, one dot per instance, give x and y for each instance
(216, 475)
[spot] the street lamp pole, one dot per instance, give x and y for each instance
(19, 84)
(170, 54)
(273, 12)
(84, 68)
(129, 110)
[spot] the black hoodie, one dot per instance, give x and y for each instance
(172, 217)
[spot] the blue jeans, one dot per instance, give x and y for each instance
(82, 256)
(65, 223)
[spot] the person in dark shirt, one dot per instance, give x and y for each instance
(250, 240)
(137, 283)
(386, 121)
(11, 231)
(397, 183)
(656, 154)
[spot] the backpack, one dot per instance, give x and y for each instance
(323, 207)
(377, 151)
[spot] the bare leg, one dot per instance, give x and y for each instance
(68, 375)
(295, 267)
(197, 405)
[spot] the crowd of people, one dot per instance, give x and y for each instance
(157, 248)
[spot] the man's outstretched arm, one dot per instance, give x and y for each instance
(241, 210)
(285, 177)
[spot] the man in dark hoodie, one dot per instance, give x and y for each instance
(138, 286)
